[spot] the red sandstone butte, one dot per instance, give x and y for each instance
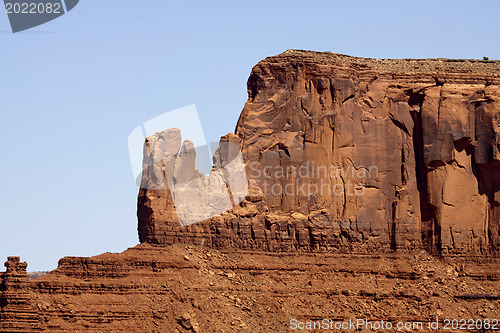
(395, 154)
(373, 194)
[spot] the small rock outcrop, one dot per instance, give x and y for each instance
(17, 311)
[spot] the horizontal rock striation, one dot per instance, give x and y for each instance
(350, 154)
(186, 288)
(17, 309)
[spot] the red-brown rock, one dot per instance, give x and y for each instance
(355, 154)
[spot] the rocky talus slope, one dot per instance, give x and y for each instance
(372, 195)
(189, 288)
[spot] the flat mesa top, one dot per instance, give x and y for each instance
(407, 66)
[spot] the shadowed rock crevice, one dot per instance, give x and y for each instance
(428, 211)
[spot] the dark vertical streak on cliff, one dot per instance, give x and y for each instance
(431, 239)
(392, 232)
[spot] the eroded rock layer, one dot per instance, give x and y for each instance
(353, 154)
(187, 288)
(17, 308)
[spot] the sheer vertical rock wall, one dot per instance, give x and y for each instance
(354, 154)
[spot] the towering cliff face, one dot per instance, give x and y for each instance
(361, 154)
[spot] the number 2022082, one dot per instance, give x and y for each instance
(33, 8)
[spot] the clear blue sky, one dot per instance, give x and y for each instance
(73, 89)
